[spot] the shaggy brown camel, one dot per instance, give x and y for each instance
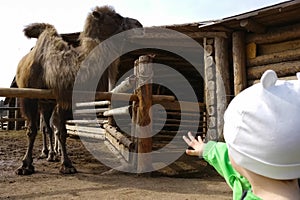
(54, 64)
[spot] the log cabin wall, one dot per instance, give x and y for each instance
(267, 38)
(277, 49)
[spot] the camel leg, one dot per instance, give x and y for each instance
(45, 151)
(59, 120)
(57, 148)
(47, 130)
(31, 113)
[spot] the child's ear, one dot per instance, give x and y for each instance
(268, 79)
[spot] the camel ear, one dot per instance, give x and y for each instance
(97, 15)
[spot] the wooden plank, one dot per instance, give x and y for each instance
(121, 158)
(282, 69)
(10, 108)
(121, 138)
(252, 26)
(275, 35)
(144, 73)
(157, 119)
(48, 94)
(94, 103)
(239, 62)
(183, 106)
(117, 111)
(223, 89)
(167, 132)
(125, 85)
(119, 147)
(88, 111)
(12, 119)
(288, 55)
(175, 125)
(86, 121)
(278, 47)
(27, 93)
(86, 129)
(86, 134)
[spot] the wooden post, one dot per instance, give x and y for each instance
(133, 157)
(222, 82)
(11, 115)
(144, 75)
(239, 61)
(112, 78)
(210, 89)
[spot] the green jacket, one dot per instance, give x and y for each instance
(216, 154)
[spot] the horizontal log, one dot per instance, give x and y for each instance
(86, 121)
(252, 26)
(288, 55)
(12, 119)
(119, 136)
(125, 85)
(175, 125)
(208, 34)
(177, 121)
(182, 106)
(95, 130)
(86, 134)
(26, 93)
(167, 39)
(275, 35)
(120, 150)
(264, 49)
(117, 111)
(88, 111)
(48, 94)
(176, 132)
(281, 69)
(175, 113)
(93, 103)
(9, 108)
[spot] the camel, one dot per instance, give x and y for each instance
(53, 64)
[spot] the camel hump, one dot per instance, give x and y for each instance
(34, 30)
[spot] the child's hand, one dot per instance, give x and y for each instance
(197, 146)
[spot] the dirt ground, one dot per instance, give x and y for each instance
(91, 183)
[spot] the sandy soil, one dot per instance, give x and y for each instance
(91, 183)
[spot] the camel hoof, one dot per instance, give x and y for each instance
(52, 157)
(67, 170)
(25, 170)
(43, 155)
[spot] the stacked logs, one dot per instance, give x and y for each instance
(278, 49)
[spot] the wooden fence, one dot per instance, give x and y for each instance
(143, 121)
(12, 120)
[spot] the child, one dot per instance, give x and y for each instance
(261, 157)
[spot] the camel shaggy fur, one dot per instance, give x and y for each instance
(53, 64)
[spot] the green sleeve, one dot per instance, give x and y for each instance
(216, 154)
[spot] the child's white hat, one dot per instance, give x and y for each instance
(262, 127)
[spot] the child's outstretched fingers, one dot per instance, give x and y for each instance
(196, 145)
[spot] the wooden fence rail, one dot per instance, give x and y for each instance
(48, 94)
(12, 120)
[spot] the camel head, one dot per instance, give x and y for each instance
(103, 22)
